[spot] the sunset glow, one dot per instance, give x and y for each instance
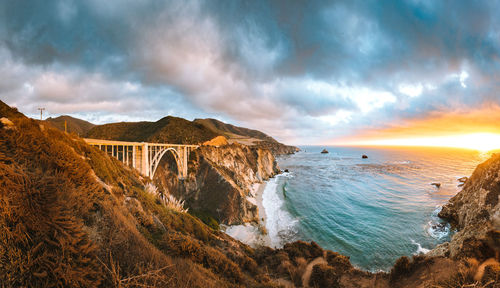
(476, 141)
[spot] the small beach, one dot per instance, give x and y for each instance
(252, 234)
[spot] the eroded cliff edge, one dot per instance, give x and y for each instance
(221, 181)
(475, 213)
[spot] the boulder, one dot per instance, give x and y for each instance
(436, 184)
(364, 157)
(324, 151)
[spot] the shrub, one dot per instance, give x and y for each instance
(402, 267)
(166, 199)
(207, 219)
(323, 276)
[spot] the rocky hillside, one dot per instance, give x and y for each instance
(475, 213)
(220, 181)
(71, 216)
(74, 125)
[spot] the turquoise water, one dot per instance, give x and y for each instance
(374, 210)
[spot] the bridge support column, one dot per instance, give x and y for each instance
(184, 163)
(134, 148)
(145, 160)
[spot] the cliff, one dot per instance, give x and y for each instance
(475, 213)
(220, 181)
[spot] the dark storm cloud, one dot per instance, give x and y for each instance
(293, 69)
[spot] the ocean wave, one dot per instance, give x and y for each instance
(420, 249)
(286, 175)
(280, 224)
(436, 227)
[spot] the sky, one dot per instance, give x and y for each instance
(304, 72)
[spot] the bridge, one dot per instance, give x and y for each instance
(145, 157)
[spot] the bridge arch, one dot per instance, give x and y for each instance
(159, 155)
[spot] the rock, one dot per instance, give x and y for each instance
(462, 181)
(217, 141)
(324, 151)
(6, 123)
(364, 157)
(286, 170)
(438, 185)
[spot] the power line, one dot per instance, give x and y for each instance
(41, 112)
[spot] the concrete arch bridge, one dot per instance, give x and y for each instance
(145, 157)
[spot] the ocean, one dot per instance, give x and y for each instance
(373, 210)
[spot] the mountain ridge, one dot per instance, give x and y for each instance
(171, 129)
(73, 125)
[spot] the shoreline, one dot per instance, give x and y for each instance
(252, 234)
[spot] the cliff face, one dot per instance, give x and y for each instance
(220, 179)
(475, 211)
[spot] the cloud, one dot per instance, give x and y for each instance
(304, 72)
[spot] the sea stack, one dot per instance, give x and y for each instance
(438, 185)
(324, 151)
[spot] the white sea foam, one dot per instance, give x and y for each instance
(420, 249)
(280, 224)
(436, 228)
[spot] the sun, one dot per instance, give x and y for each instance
(482, 142)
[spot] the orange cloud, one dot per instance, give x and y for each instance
(466, 129)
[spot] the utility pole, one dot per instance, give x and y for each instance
(41, 112)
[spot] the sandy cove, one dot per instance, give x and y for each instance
(250, 233)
